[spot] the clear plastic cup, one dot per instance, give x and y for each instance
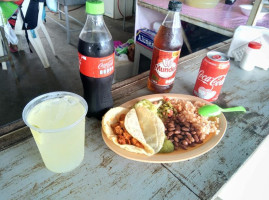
(57, 122)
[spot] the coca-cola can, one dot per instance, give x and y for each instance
(211, 76)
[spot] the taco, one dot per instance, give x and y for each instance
(109, 124)
(140, 123)
(152, 127)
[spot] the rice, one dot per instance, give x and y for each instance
(184, 127)
(187, 111)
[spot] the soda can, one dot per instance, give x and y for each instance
(211, 76)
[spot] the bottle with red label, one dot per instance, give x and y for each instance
(96, 60)
(167, 46)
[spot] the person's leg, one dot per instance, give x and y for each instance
(12, 21)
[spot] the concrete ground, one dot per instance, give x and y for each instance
(63, 73)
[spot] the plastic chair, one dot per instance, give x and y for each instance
(35, 39)
(4, 51)
(5, 54)
(67, 3)
(41, 25)
(4, 48)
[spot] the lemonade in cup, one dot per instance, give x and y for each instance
(57, 122)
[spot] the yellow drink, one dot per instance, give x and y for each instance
(58, 127)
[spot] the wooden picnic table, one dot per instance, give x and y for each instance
(105, 175)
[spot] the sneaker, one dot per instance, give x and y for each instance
(13, 48)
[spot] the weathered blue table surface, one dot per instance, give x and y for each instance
(105, 175)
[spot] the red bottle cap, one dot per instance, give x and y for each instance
(255, 45)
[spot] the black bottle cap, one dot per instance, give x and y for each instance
(174, 5)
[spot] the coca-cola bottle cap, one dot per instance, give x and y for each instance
(95, 7)
(174, 5)
(255, 45)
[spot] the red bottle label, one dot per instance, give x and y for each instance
(96, 67)
(163, 66)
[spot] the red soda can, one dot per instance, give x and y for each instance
(211, 76)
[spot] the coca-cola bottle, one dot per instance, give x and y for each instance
(96, 60)
(167, 46)
(230, 2)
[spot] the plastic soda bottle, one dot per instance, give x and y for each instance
(96, 60)
(230, 2)
(167, 46)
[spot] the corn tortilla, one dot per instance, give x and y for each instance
(112, 116)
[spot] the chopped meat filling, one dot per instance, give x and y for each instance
(136, 143)
(122, 135)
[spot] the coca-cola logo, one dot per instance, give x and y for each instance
(104, 64)
(208, 80)
(166, 68)
(206, 93)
